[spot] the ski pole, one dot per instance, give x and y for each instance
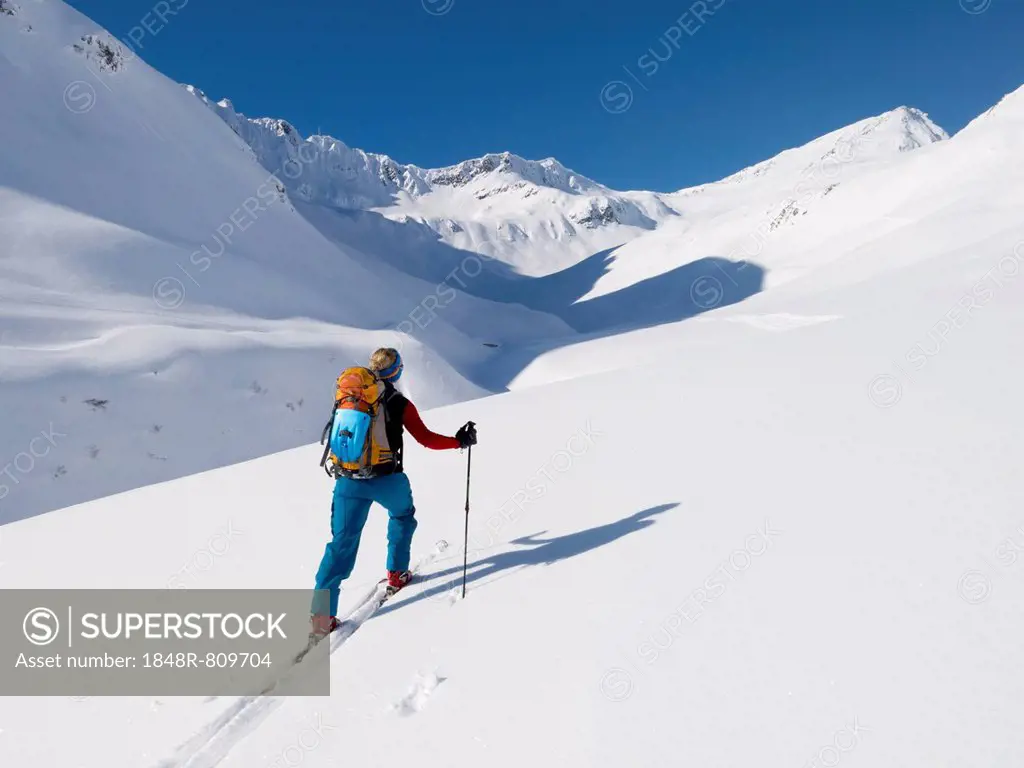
(465, 544)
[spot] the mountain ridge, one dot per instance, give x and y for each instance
(919, 130)
(539, 216)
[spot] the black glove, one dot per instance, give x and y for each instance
(466, 435)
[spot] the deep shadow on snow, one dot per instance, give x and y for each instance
(532, 550)
(701, 285)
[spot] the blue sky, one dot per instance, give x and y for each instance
(432, 82)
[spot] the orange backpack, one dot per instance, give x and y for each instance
(356, 437)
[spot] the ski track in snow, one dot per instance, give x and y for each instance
(212, 743)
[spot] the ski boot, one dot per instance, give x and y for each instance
(322, 626)
(396, 580)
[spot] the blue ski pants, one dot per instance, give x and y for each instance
(349, 510)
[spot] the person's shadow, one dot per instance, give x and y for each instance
(537, 551)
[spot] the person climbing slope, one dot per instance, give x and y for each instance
(364, 453)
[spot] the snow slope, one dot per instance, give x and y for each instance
(816, 560)
(758, 212)
(161, 288)
(878, 220)
(163, 293)
(163, 306)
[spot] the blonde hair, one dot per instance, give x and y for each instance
(383, 358)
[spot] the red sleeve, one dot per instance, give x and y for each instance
(411, 420)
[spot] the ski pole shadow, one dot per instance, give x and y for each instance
(534, 550)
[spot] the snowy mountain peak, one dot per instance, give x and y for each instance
(382, 175)
(878, 138)
(543, 173)
(915, 127)
(903, 129)
(346, 177)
